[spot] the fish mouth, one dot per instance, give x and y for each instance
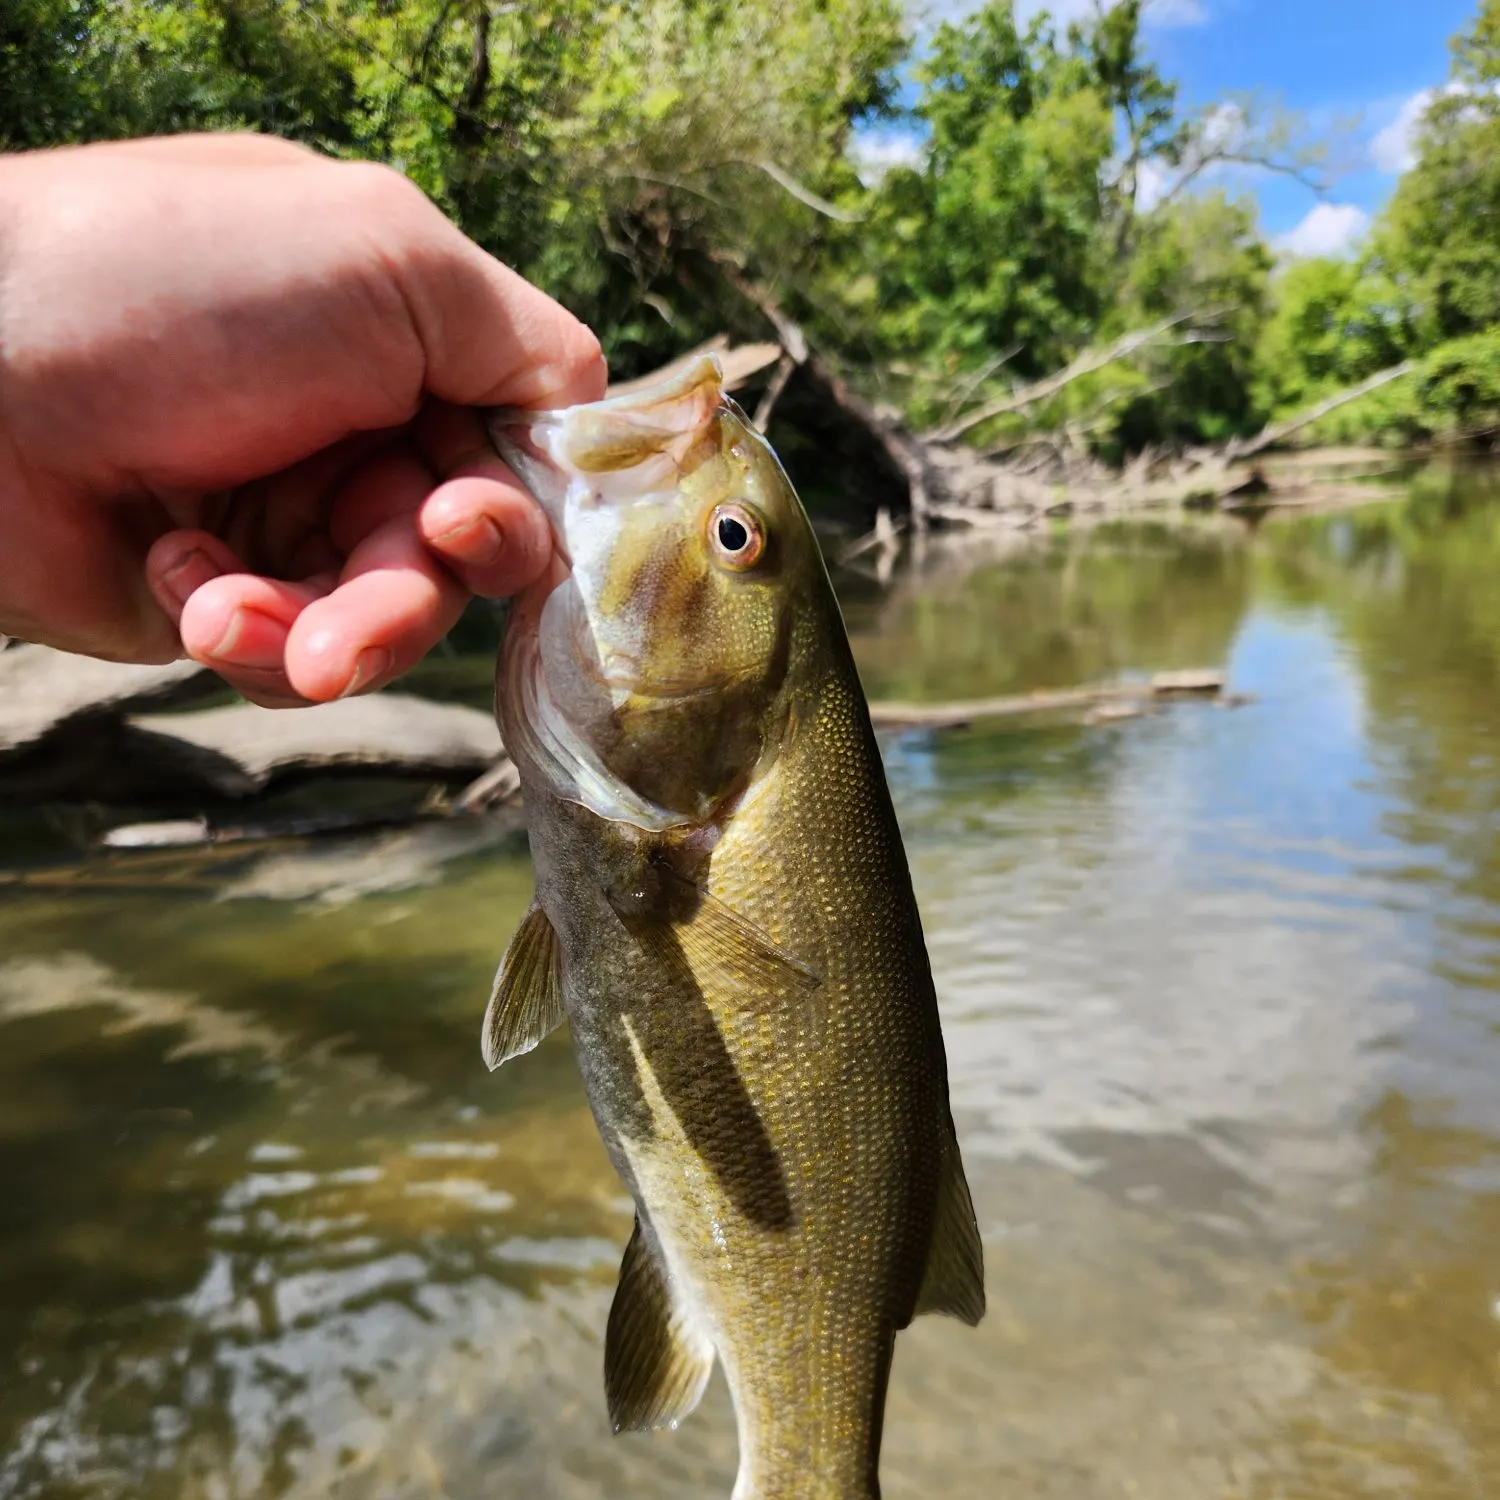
(624, 447)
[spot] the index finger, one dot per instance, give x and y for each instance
(490, 337)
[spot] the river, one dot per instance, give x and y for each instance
(1221, 991)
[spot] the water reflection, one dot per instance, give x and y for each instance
(1220, 993)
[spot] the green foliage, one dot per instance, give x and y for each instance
(1015, 238)
(1440, 235)
(1428, 285)
(994, 239)
(73, 70)
(1202, 255)
(1335, 323)
(1461, 380)
(664, 165)
(614, 153)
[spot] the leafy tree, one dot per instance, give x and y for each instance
(651, 162)
(1335, 322)
(1442, 232)
(620, 154)
(1199, 255)
(993, 239)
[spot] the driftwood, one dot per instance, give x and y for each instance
(188, 833)
(70, 731)
(239, 750)
(43, 691)
(1104, 697)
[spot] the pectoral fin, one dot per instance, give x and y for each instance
(656, 1360)
(713, 936)
(953, 1282)
(526, 1002)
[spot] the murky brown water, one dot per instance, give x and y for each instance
(1221, 991)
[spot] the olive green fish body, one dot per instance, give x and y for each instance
(751, 1005)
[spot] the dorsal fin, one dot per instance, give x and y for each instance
(656, 1359)
(526, 1002)
(953, 1282)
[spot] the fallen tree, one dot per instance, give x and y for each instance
(1044, 472)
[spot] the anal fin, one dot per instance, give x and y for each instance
(953, 1282)
(526, 1002)
(656, 1362)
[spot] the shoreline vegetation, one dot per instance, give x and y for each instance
(995, 259)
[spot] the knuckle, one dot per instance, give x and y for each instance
(386, 191)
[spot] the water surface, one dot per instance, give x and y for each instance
(1221, 989)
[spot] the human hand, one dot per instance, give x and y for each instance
(237, 384)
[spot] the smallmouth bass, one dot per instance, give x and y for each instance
(724, 915)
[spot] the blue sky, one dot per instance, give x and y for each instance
(1358, 70)
(1359, 62)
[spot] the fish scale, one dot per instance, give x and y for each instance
(725, 916)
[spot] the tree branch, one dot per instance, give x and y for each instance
(804, 195)
(779, 377)
(1278, 432)
(906, 452)
(967, 387)
(1312, 181)
(1042, 390)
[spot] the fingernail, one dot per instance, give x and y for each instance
(188, 574)
(372, 662)
(479, 541)
(251, 640)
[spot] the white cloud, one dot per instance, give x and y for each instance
(1329, 229)
(874, 153)
(1394, 149)
(1061, 11)
(1152, 179)
(1166, 13)
(1224, 127)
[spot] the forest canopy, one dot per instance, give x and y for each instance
(672, 169)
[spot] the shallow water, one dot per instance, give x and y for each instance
(1221, 991)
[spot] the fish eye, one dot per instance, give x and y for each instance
(736, 536)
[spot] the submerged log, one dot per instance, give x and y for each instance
(1103, 699)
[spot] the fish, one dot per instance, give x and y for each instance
(725, 917)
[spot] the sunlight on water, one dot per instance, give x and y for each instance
(1221, 990)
